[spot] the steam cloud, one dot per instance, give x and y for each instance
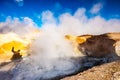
(51, 54)
(75, 24)
(96, 8)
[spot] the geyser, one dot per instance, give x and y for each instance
(51, 55)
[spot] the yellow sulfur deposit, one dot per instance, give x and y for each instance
(10, 40)
(76, 40)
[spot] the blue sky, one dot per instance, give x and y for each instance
(33, 8)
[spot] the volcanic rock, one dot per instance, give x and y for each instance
(108, 71)
(101, 45)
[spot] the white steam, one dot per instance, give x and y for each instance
(51, 54)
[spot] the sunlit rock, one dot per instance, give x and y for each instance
(97, 45)
(9, 41)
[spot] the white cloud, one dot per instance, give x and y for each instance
(20, 2)
(75, 24)
(15, 25)
(47, 17)
(82, 25)
(96, 8)
(80, 14)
